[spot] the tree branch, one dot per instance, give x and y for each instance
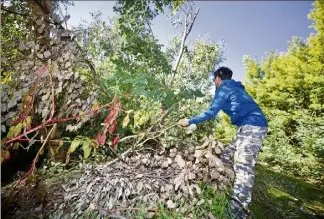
(187, 29)
(13, 12)
(51, 121)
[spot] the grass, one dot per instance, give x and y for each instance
(280, 196)
(214, 204)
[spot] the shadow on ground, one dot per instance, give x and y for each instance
(280, 196)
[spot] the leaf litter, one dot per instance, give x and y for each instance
(145, 178)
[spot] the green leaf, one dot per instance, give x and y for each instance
(126, 120)
(137, 116)
(14, 130)
(75, 144)
(94, 143)
(86, 148)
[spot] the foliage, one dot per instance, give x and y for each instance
(140, 13)
(289, 87)
(199, 59)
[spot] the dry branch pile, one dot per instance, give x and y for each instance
(144, 179)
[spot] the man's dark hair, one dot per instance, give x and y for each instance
(224, 73)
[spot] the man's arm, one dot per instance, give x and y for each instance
(215, 107)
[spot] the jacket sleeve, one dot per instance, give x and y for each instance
(215, 107)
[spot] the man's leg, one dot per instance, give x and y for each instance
(249, 142)
(228, 153)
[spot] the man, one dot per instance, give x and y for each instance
(231, 97)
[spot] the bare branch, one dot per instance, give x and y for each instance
(189, 22)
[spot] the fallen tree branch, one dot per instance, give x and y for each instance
(143, 134)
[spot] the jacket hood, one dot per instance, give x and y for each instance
(237, 84)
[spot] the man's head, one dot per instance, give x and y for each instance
(222, 74)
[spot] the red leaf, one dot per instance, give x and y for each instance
(21, 117)
(115, 142)
(112, 128)
(110, 123)
(111, 117)
(101, 138)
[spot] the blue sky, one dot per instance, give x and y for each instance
(247, 27)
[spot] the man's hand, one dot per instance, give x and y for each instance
(183, 122)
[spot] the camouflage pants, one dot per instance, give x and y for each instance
(243, 150)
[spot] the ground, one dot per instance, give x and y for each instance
(275, 196)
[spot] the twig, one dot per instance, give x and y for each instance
(164, 115)
(163, 130)
(128, 137)
(136, 209)
(53, 97)
(30, 139)
(161, 120)
(112, 150)
(27, 139)
(145, 134)
(119, 157)
(36, 157)
(150, 149)
(109, 212)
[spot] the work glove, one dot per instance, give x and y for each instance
(183, 122)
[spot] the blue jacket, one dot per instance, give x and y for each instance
(232, 98)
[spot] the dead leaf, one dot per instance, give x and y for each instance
(171, 204)
(202, 201)
(214, 174)
(198, 154)
(204, 145)
(198, 190)
(230, 173)
(211, 216)
(220, 144)
(165, 164)
(148, 186)
(191, 176)
(181, 163)
(184, 189)
(177, 182)
(172, 154)
(139, 186)
(217, 151)
(47, 54)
